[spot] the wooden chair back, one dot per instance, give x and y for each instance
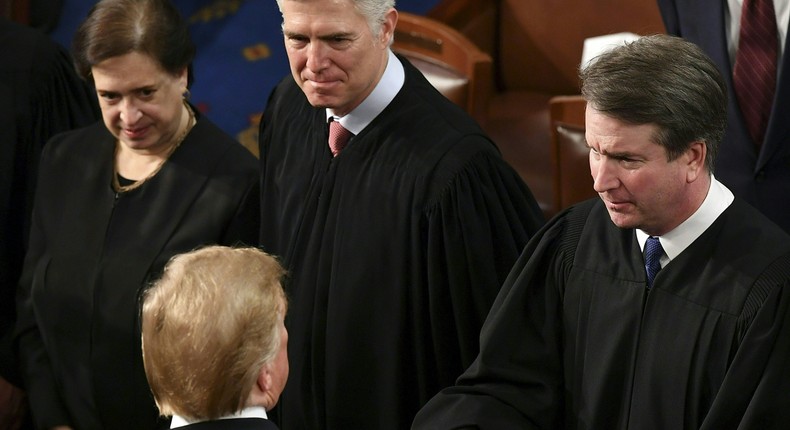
(450, 61)
(572, 180)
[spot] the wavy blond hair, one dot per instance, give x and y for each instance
(208, 326)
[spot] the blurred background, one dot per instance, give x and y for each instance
(240, 53)
(512, 64)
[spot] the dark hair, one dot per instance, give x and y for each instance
(118, 27)
(662, 80)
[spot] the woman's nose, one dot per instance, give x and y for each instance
(130, 113)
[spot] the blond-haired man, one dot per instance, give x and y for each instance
(214, 341)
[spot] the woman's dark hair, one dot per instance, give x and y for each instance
(118, 27)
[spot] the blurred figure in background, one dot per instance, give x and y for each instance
(40, 96)
(747, 40)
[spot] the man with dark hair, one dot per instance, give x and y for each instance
(590, 333)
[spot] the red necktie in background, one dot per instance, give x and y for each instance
(754, 77)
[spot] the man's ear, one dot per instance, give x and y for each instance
(388, 26)
(694, 157)
(260, 395)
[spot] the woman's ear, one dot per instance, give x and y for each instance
(183, 79)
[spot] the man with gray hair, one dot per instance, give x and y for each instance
(661, 305)
(394, 214)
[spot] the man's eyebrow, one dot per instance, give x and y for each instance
(337, 35)
(330, 36)
(615, 154)
(151, 87)
(621, 155)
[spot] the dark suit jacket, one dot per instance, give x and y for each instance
(760, 177)
(40, 95)
(233, 424)
(93, 251)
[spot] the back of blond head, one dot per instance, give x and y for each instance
(209, 325)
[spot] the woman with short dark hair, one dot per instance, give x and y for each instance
(115, 201)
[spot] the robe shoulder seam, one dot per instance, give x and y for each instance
(776, 275)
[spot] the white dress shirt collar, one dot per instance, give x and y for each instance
(390, 83)
(676, 241)
(249, 412)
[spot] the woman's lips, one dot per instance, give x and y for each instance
(135, 133)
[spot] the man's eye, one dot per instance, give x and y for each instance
(340, 42)
(297, 40)
(629, 162)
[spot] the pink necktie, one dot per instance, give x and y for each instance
(338, 137)
(754, 76)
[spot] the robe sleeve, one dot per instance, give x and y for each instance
(35, 364)
(755, 393)
(475, 233)
(517, 379)
(244, 227)
(50, 98)
(60, 101)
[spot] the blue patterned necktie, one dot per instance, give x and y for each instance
(653, 253)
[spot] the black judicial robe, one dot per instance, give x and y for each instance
(576, 341)
(40, 95)
(396, 249)
(91, 254)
